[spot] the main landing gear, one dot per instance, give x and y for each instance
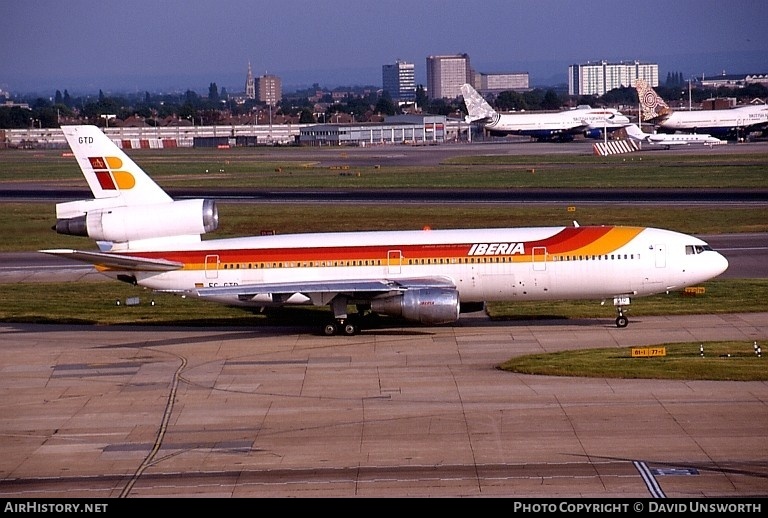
(341, 326)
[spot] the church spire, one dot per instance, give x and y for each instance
(250, 84)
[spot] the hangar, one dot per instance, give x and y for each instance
(399, 129)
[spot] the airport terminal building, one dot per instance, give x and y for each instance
(400, 129)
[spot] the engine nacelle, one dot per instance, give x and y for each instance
(426, 305)
(593, 133)
(123, 224)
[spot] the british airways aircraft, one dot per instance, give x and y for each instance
(146, 238)
(730, 123)
(563, 125)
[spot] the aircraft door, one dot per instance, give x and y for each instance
(211, 266)
(660, 251)
(539, 258)
(394, 261)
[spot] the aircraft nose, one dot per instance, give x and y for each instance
(716, 264)
(720, 264)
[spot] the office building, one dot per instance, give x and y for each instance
(501, 82)
(446, 74)
(269, 90)
(399, 80)
(597, 78)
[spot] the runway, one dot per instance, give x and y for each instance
(112, 412)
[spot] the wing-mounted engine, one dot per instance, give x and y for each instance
(425, 305)
(122, 224)
(593, 133)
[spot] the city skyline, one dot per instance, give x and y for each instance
(140, 45)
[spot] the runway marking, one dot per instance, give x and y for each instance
(650, 481)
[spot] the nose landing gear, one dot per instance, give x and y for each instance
(621, 320)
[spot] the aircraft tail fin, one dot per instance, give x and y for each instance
(111, 173)
(128, 210)
(652, 105)
(634, 132)
(477, 107)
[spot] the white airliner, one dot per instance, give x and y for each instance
(563, 125)
(671, 139)
(426, 276)
(730, 123)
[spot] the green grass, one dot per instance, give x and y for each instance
(95, 303)
(719, 297)
(258, 168)
(722, 361)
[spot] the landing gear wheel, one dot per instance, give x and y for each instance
(330, 329)
(341, 327)
(622, 321)
(350, 328)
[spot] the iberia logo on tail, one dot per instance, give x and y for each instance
(107, 170)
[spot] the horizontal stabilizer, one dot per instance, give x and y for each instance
(117, 261)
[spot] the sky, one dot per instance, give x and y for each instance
(174, 45)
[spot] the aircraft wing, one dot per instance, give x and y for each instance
(323, 291)
(117, 261)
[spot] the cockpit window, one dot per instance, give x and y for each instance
(696, 249)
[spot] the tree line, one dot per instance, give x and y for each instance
(360, 103)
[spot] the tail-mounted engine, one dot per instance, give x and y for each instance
(425, 305)
(133, 223)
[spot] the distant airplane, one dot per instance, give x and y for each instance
(426, 276)
(668, 140)
(732, 123)
(563, 125)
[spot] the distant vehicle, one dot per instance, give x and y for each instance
(669, 140)
(733, 123)
(561, 126)
(428, 276)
